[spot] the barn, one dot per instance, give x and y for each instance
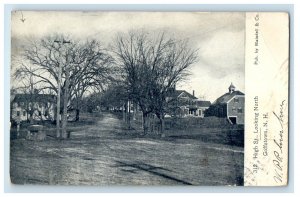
(230, 105)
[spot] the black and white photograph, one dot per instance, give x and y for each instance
(127, 98)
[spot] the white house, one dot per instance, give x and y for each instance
(25, 107)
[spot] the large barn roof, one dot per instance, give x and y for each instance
(226, 97)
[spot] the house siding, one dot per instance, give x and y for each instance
(235, 107)
(19, 113)
(185, 104)
(43, 107)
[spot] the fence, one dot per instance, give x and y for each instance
(182, 123)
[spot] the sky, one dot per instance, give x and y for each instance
(219, 38)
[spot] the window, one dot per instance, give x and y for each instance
(200, 112)
(18, 113)
(234, 109)
(240, 110)
(24, 113)
(236, 100)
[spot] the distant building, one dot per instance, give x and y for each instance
(230, 105)
(26, 107)
(181, 103)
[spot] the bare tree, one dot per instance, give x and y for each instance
(82, 64)
(151, 66)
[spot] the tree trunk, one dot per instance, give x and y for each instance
(58, 104)
(145, 121)
(65, 109)
(128, 115)
(161, 118)
(134, 111)
(152, 123)
(124, 112)
(64, 118)
(31, 116)
(77, 108)
(77, 115)
(162, 126)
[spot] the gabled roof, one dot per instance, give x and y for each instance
(34, 98)
(226, 97)
(177, 93)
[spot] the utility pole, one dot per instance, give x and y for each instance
(58, 102)
(58, 133)
(66, 95)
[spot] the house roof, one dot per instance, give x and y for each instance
(34, 98)
(177, 93)
(226, 97)
(203, 103)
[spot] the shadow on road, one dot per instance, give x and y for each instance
(135, 167)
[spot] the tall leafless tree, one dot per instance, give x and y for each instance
(83, 65)
(152, 65)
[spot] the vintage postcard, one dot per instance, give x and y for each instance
(149, 98)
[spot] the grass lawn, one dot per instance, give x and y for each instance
(101, 152)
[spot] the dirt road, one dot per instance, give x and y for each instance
(101, 155)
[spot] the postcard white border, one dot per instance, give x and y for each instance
(8, 8)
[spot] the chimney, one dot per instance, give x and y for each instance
(193, 92)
